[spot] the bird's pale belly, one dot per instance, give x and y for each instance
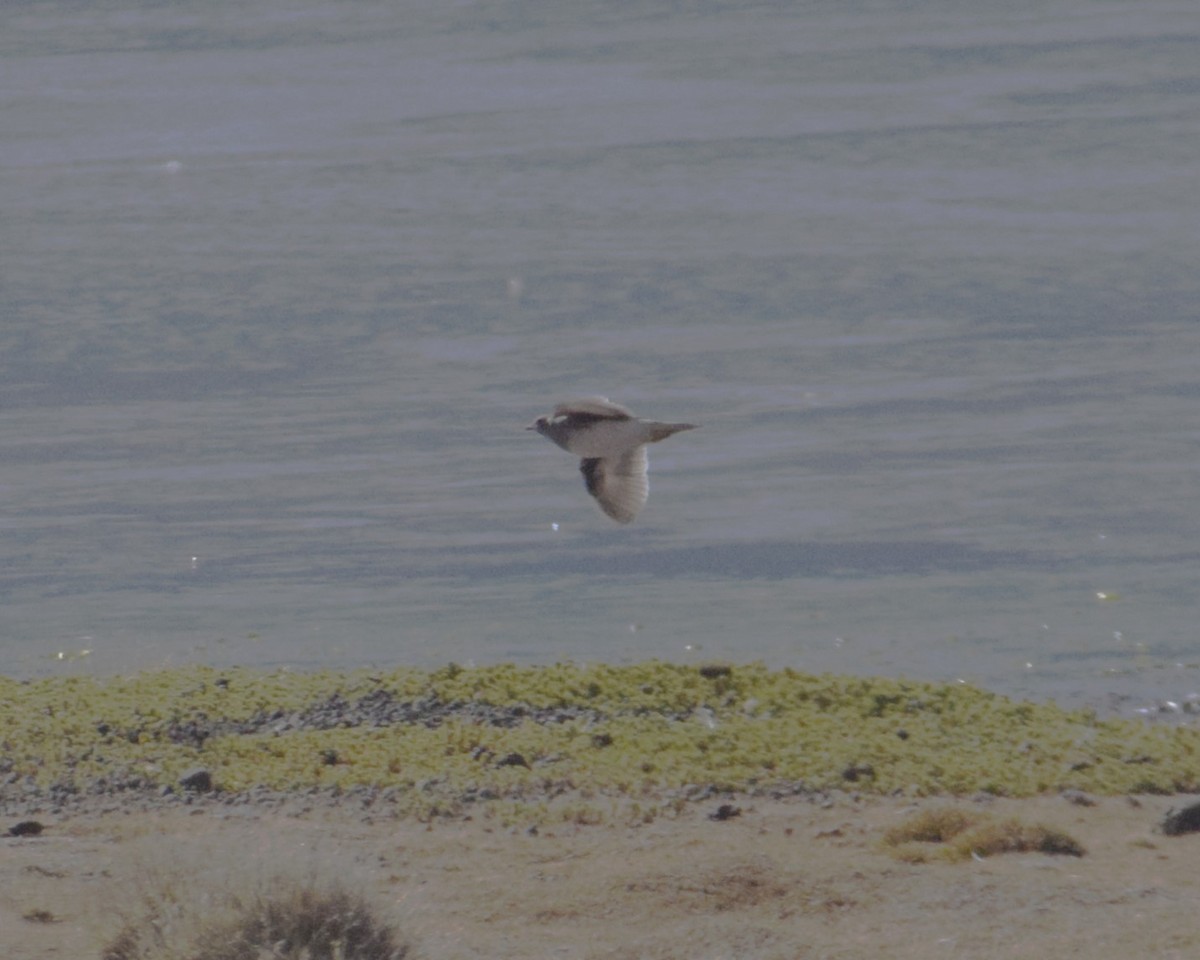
(606, 439)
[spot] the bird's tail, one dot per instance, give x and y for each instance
(660, 431)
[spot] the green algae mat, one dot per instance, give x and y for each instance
(524, 733)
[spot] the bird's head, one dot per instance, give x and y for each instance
(541, 425)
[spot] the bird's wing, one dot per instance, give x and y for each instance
(619, 484)
(589, 407)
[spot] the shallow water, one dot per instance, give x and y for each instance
(281, 288)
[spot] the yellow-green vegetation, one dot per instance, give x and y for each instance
(951, 834)
(626, 731)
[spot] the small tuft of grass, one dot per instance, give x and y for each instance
(946, 833)
(291, 922)
(936, 825)
(211, 902)
(1011, 836)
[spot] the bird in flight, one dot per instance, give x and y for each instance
(611, 443)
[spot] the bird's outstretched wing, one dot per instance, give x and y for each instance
(600, 408)
(619, 484)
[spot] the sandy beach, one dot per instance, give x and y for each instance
(783, 878)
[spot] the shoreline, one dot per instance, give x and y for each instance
(437, 743)
(650, 811)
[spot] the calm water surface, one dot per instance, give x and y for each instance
(281, 284)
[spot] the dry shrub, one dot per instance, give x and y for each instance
(1012, 836)
(226, 908)
(960, 836)
(929, 826)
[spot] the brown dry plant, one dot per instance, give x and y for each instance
(948, 833)
(213, 902)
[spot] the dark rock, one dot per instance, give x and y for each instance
(198, 780)
(1186, 820)
(726, 811)
(26, 828)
